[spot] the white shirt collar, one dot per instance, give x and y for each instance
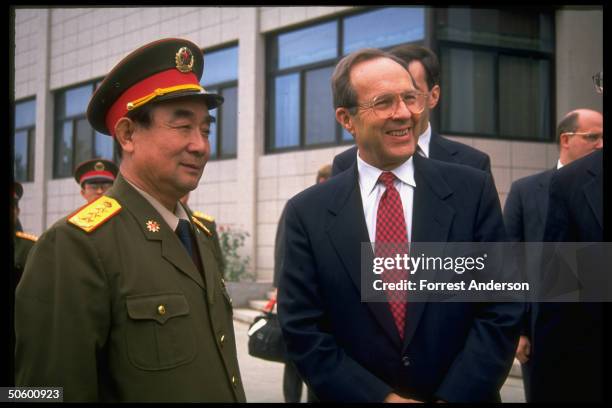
(368, 174)
(172, 219)
(559, 164)
(424, 140)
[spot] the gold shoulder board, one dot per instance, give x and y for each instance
(26, 236)
(201, 226)
(206, 217)
(94, 214)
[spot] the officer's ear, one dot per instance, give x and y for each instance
(124, 133)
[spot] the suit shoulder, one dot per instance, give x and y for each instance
(532, 180)
(465, 148)
(456, 170)
(93, 215)
(26, 236)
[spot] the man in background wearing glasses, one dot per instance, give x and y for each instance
(95, 177)
(579, 133)
(347, 349)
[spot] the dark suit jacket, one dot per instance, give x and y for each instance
(349, 350)
(524, 217)
(569, 340)
(440, 148)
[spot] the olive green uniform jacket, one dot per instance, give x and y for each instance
(121, 313)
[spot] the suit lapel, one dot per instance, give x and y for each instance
(541, 197)
(431, 221)
(347, 230)
(594, 194)
(155, 228)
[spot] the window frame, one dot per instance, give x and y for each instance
(219, 87)
(272, 73)
(73, 119)
(31, 142)
(498, 52)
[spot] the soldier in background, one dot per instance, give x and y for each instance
(95, 176)
(23, 242)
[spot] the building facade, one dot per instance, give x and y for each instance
(507, 76)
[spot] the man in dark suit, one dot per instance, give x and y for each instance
(527, 203)
(425, 69)
(349, 350)
(568, 340)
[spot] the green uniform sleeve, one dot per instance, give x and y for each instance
(62, 314)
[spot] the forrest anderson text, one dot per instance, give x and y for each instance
(424, 284)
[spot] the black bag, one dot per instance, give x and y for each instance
(266, 339)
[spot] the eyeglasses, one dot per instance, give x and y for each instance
(97, 186)
(385, 106)
(598, 82)
(589, 137)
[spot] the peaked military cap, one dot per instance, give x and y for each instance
(161, 70)
(17, 191)
(95, 170)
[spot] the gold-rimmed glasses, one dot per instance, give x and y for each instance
(587, 136)
(385, 105)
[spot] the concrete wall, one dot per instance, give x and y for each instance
(59, 47)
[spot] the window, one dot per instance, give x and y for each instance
(221, 77)
(75, 139)
(301, 63)
(496, 72)
(25, 132)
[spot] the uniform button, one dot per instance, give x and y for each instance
(161, 309)
(222, 339)
(234, 381)
(405, 361)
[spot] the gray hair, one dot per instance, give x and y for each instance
(343, 92)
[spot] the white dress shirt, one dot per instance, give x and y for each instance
(371, 191)
(424, 140)
(559, 164)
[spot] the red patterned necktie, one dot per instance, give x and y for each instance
(392, 239)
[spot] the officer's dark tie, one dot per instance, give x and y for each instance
(184, 233)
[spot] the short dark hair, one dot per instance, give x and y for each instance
(343, 93)
(568, 124)
(324, 172)
(413, 52)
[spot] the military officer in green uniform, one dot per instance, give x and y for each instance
(23, 241)
(138, 311)
(95, 177)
